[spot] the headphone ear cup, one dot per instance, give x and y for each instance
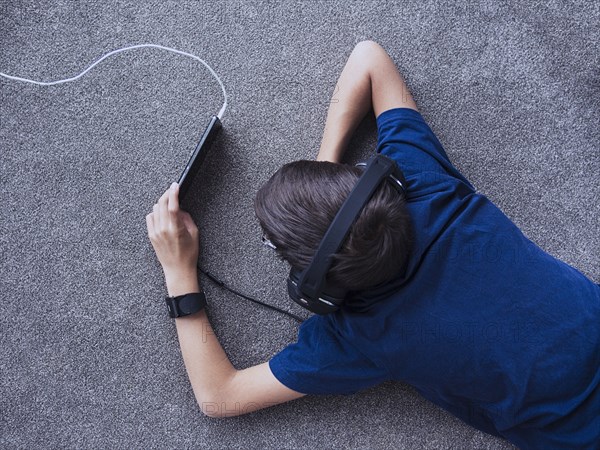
(292, 284)
(295, 274)
(333, 296)
(294, 291)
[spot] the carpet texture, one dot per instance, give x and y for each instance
(88, 356)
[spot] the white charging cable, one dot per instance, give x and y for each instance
(114, 52)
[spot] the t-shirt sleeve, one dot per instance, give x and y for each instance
(323, 362)
(404, 136)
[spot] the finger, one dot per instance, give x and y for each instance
(150, 226)
(188, 222)
(156, 218)
(173, 201)
(190, 226)
(162, 210)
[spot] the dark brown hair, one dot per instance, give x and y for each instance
(298, 203)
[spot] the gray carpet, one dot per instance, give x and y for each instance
(88, 357)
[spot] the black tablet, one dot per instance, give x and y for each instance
(193, 165)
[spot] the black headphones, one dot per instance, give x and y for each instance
(309, 287)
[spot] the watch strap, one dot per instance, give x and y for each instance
(184, 305)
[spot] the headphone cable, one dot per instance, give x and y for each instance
(219, 283)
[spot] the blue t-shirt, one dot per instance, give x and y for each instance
(483, 323)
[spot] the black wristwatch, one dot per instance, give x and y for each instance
(184, 305)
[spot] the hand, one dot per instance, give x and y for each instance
(174, 236)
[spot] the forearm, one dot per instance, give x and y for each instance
(350, 103)
(207, 365)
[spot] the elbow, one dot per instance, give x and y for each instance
(215, 399)
(368, 55)
(367, 47)
(210, 404)
(217, 407)
(212, 410)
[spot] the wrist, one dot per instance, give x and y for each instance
(182, 282)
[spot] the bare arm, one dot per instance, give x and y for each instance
(219, 388)
(369, 79)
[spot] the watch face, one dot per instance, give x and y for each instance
(187, 304)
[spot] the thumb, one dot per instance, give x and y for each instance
(188, 222)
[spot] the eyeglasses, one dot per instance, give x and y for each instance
(268, 243)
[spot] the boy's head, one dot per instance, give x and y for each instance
(298, 203)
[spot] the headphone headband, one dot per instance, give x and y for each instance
(311, 281)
